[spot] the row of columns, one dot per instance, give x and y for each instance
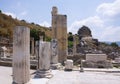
(47, 56)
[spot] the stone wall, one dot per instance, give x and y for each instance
(96, 57)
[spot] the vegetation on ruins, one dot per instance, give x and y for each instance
(114, 44)
(7, 25)
(70, 40)
(0, 11)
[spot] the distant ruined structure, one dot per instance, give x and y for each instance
(59, 32)
(87, 43)
(84, 32)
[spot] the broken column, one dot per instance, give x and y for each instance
(44, 60)
(54, 54)
(21, 55)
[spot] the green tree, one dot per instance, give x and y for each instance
(35, 34)
(70, 44)
(114, 44)
(47, 39)
(70, 38)
(0, 11)
(70, 33)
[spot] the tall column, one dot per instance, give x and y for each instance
(32, 47)
(54, 54)
(44, 60)
(74, 45)
(37, 52)
(59, 32)
(21, 55)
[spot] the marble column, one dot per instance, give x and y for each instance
(44, 60)
(37, 53)
(21, 55)
(32, 47)
(54, 54)
(74, 45)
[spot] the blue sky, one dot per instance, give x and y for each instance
(101, 16)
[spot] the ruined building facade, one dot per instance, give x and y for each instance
(59, 32)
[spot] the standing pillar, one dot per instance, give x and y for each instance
(74, 45)
(21, 55)
(37, 53)
(44, 60)
(32, 47)
(54, 54)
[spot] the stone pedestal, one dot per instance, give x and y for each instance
(44, 60)
(68, 65)
(21, 55)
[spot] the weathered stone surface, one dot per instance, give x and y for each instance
(44, 60)
(44, 55)
(84, 32)
(59, 32)
(98, 64)
(32, 46)
(3, 52)
(54, 51)
(21, 55)
(97, 61)
(117, 60)
(54, 54)
(96, 57)
(74, 45)
(68, 65)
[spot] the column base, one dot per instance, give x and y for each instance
(43, 74)
(21, 83)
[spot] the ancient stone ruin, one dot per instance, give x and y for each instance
(54, 54)
(87, 43)
(44, 60)
(48, 54)
(59, 32)
(21, 55)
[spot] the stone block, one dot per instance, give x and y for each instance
(68, 65)
(96, 57)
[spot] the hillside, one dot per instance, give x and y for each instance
(7, 24)
(117, 42)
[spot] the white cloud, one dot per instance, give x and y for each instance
(45, 24)
(110, 33)
(24, 13)
(92, 22)
(9, 13)
(101, 25)
(109, 9)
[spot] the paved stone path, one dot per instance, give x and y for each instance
(76, 77)
(90, 76)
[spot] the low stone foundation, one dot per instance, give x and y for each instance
(98, 64)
